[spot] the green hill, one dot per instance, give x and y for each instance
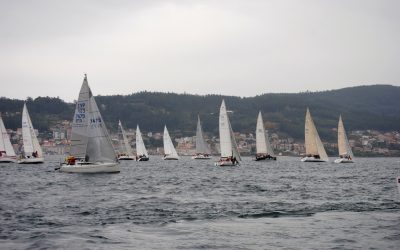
(363, 107)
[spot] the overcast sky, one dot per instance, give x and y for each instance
(241, 48)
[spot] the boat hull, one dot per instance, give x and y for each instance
(31, 160)
(343, 160)
(111, 167)
(8, 159)
(225, 164)
(170, 157)
(142, 159)
(312, 159)
(265, 158)
(126, 158)
(201, 157)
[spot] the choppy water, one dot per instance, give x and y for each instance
(191, 204)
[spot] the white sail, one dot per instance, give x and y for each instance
(79, 135)
(201, 146)
(30, 141)
(169, 148)
(99, 147)
(140, 148)
(343, 142)
(5, 144)
(89, 134)
(235, 150)
(261, 144)
(125, 147)
(226, 137)
(313, 143)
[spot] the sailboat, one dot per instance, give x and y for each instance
(7, 153)
(141, 152)
(345, 152)
(169, 149)
(91, 148)
(229, 151)
(264, 149)
(202, 149)
(125, 150)
(315, 151)
(32, 151)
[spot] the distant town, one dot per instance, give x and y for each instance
(366, 143)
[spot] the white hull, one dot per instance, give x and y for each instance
(126, 158)
(31, 160)
(170, 157)
(7, 159)
(312, 159)
(225, 163)
(201, 157)
(112, 167)
(343, 160)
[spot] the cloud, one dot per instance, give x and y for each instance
(230, 47)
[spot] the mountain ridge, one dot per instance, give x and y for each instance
(362, 107)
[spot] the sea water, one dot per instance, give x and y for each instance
(192, 204)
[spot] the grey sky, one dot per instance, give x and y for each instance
(241, 48)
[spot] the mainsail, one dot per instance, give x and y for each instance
(89, 133)
(343, 142)
(140, 148)
(226, 137)
(262, 143)
(5, 144)
(313, 143)
(79, 134)
(169, 148)
(201, 146)
(124, 143)
(30, 141)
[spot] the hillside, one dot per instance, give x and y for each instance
(363, 107)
